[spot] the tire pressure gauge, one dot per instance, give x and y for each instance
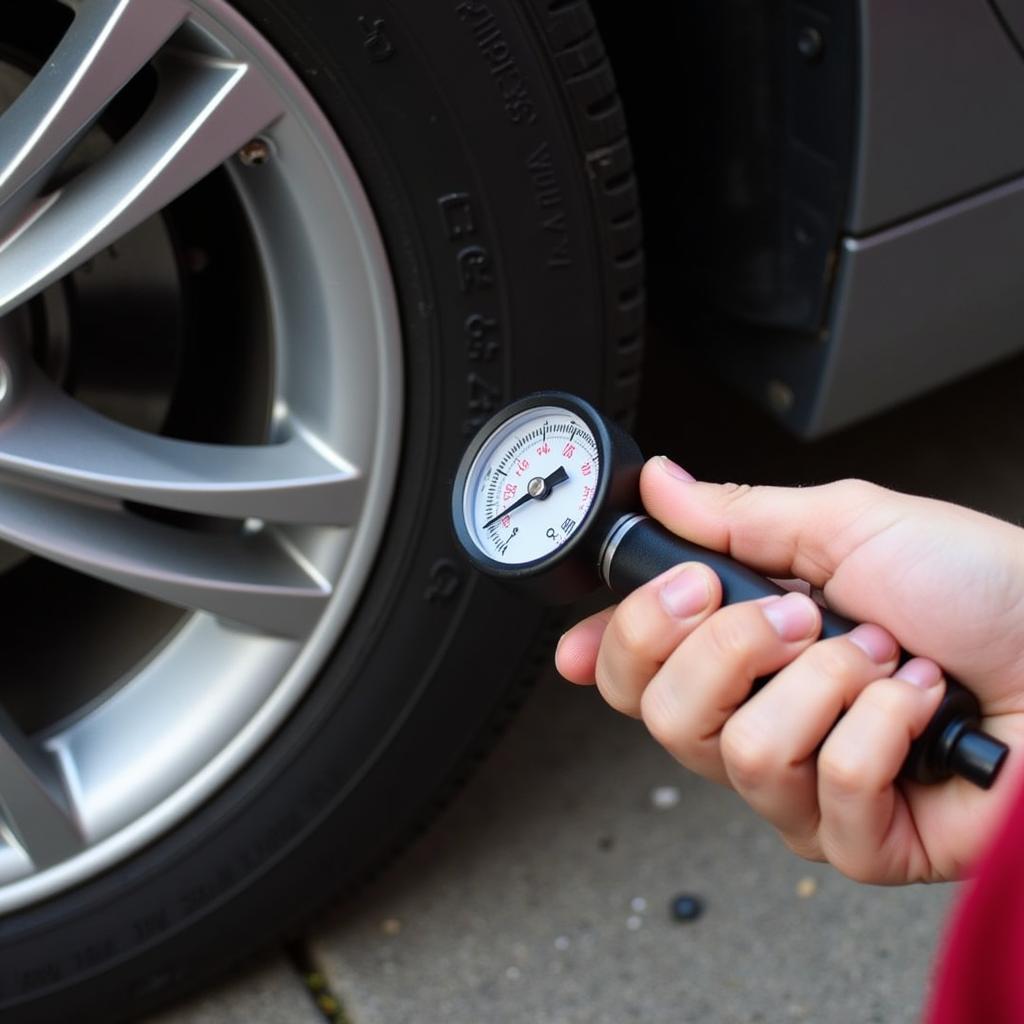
(546, 499)
(535, 492)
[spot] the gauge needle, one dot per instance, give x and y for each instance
(553, 480)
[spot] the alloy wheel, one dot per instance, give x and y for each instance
(192, 492)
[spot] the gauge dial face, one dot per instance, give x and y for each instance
(531, 485)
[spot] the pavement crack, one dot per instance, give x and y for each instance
(314, 978)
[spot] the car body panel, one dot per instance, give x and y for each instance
(834, 225)
(941, 101)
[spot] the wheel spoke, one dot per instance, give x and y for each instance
(51, 437)
(255, 579)
(107, 43)
(204, 111)
(33, 801)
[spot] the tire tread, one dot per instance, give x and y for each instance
(581, 63)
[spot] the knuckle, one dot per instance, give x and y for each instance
(748, 754)
(735, 494)
(866, 871)
(661, 717)
(840, 773)
(804, 846)
(630, 630)
(735, 498)
(854, 492)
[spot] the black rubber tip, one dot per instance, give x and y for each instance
(977, 757)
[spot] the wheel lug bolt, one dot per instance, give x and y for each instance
(255, 153)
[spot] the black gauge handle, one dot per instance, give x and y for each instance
(639, 549)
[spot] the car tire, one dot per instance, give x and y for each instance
(491, 144)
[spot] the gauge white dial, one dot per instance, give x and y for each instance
(531, 485)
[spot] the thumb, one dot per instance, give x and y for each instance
(781, 531)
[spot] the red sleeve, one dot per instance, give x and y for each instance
(980, 977)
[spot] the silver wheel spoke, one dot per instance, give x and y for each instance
(204, 111)
(49, 436)
(132, 289)
(33, 803)
(108, 42)
(252, 579)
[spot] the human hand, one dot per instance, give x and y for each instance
(939, 578)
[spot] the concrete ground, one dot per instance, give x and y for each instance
(541, 895)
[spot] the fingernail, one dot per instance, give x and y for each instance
(674, 470)
(875, 642)
(792, 616)
(686, 594)
(920, 672)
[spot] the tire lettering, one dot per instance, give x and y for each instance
(445, 582)
(500, 60)
(475, 272)
(548, 196)
(457, 216)
(482, 402)
(40, 977)
(475, 269)
(482, 345)
(150, 926)
(94, 955)
(376, 40)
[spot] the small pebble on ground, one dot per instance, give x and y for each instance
(664, 798)
(806, 887)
